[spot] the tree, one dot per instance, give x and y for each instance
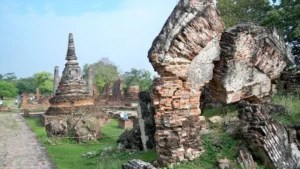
(44, 81)
(141, 78)
(285, 17)
(9, 77)
(8, 89)
(234, 12)
(26, 85)
(104, 71)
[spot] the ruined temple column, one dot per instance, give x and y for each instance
(56, 79)
(37, 94)
(90, 81)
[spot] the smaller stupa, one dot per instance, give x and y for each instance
(72, 90)
(72, 111)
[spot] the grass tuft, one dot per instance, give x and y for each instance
(217, 146)
(291, 103)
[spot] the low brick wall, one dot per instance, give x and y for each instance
(125, 124)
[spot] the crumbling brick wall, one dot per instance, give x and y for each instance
(188, 39)
(41, 103)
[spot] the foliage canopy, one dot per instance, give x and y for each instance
(8, 89)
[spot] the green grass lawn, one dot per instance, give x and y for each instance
(67, 154)
(9, 102)
(226, 110)
(292, 106)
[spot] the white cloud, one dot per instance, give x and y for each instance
(32, 42)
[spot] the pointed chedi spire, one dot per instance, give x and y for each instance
(71, 49)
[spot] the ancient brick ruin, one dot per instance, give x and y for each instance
(251, 57)
(113, 95)
(72, 107)
(187, 44)
(191, 51)
(267, 139)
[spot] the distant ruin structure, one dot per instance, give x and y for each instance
(34, 101)
(117, 90)
(113, 95)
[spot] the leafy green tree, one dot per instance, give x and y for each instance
(104, 71)
(44, 81)
(8, 89)
(46, 87)
(285, 16)
(27, 85)
(234, 12)
(141, 78)
(282, 14)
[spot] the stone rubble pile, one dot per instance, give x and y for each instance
(137, 164)
(245, 159)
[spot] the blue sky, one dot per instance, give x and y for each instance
(34, 32)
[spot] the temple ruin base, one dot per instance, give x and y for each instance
(79, 124)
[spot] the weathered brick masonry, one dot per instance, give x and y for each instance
(189, 38)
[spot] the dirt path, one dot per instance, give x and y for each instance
(19, 148)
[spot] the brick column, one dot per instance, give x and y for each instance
(37, 94)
